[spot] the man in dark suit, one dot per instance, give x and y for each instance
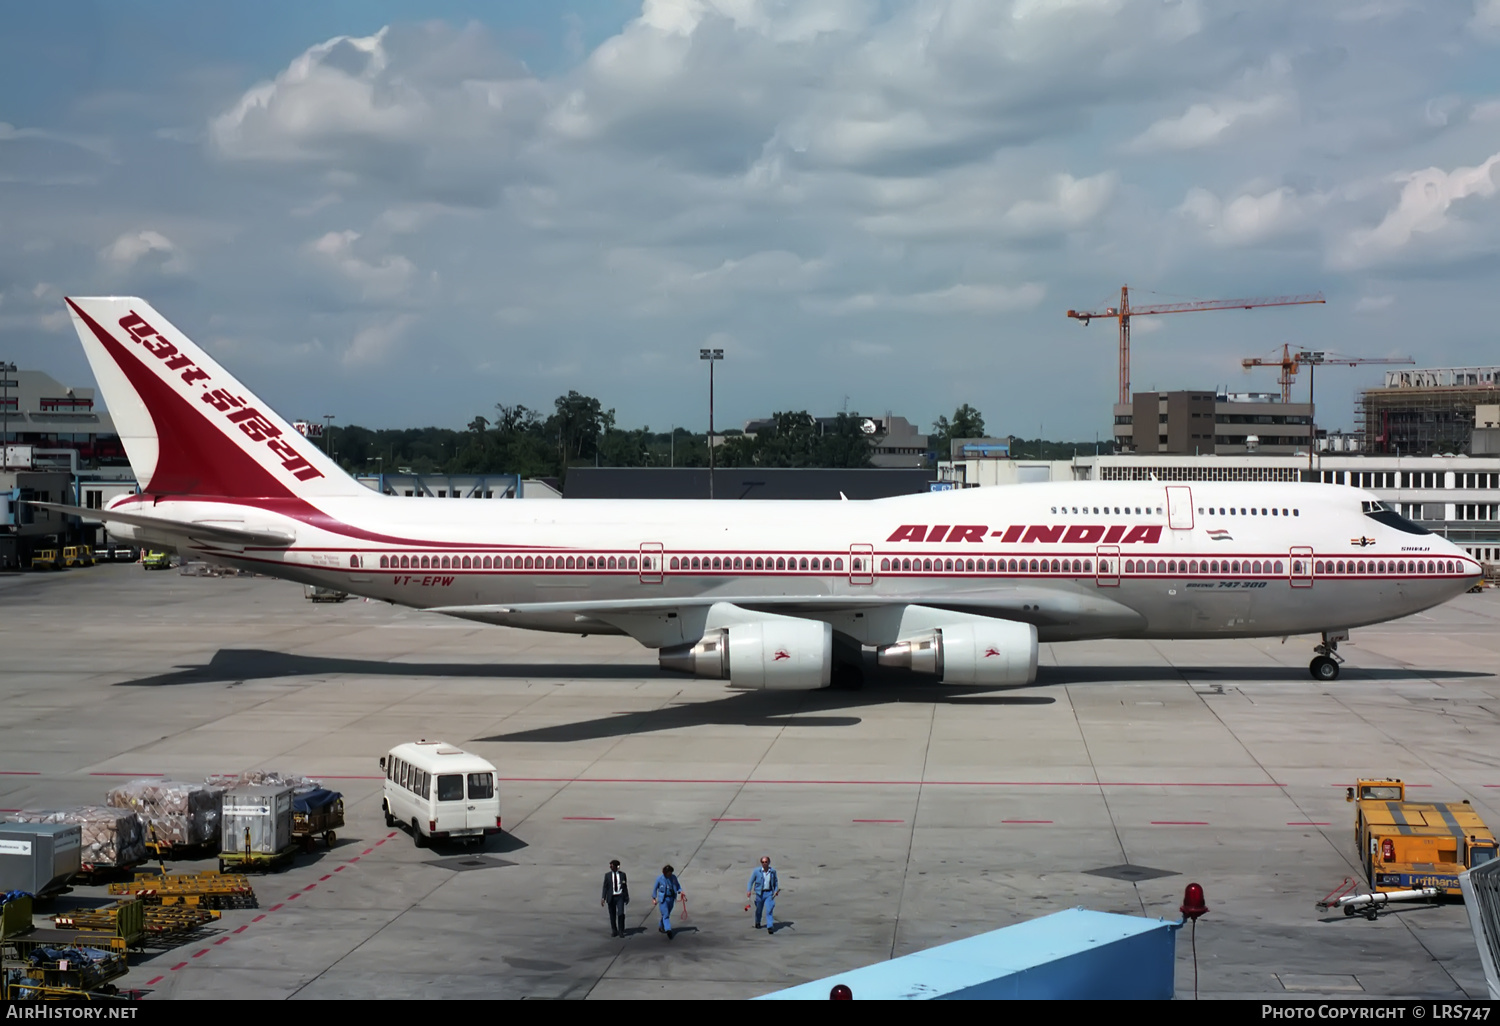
(616, 896)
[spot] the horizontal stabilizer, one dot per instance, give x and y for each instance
(169, 529)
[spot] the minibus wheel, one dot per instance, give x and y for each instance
(416, 834)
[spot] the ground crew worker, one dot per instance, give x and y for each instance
(666, 891)
(616, 895)
(763, 887)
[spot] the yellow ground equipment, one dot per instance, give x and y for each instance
(137, 923)
(156, 559)
(203, 890)
(45, 559)
(77, 555)
(64, 972)
(1411, 845)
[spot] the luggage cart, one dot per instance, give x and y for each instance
(70, 972)
(317, 812)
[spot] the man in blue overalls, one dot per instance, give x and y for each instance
(763, 887)
(666, 891)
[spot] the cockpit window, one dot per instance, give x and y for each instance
(1383, 514)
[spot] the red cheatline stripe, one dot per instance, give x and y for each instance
(10, 810)
(880, 821)
(178, 966)
(1026, 821)
(20, 773)
(592, 818)
(1178, 822)
(894, 783)
(156, 980)
(725, 819)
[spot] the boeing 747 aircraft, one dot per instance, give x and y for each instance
(959, 585)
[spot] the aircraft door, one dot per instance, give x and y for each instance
(1179, 507)
(1109, 566)
(861, 564)
(652, 562)
(1301, 566)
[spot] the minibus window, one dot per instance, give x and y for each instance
(481, 785)
(450, 787)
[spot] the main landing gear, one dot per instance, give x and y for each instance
(1326, 665)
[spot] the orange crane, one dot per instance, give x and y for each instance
(1290, 362)
(1124, 312)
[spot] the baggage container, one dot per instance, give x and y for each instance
(257, 821)
(177, 815)
(112, 838)
(39, 858)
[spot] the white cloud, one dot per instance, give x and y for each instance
(1486, 20)
(1205, 124)
(980, 203)
(1373, 304)
(961, 298)
(389, 278)
(1250, 218)
(375, 343)
(129, 249)
(1423, 210)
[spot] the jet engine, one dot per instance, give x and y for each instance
(981, 652)
(784, 654)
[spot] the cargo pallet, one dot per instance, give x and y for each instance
(252, 861)
(207, 889)
(124, 919)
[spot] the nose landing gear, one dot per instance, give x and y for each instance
(1325, 666)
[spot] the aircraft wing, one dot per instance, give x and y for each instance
(172, 531)
(1040, 605)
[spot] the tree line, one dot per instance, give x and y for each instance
(578, 431)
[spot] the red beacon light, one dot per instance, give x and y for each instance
(1193, 904)
(840, 992)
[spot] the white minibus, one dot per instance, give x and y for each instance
(440, 792)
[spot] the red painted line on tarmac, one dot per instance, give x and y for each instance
(200, 954)
(242, 929)
(294, 897)
(601, 819)
(327, 876)
(10, 810)
(311, 886)
(365, 852)
(20, 773)
(723, 819)
(357, 857)
(1026, 821)
(127, 774)
(1178, 822)
(176, 967)
(222, 940)
(380, 842)
(273, 908)
(157, 980)
(1309, 823)
(326, 776)
(879, 821)
(897, 783)
(337, 869)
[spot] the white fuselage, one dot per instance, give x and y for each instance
(1078, 560)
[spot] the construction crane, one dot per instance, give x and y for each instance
(1124, 312)
(1312, 360)
(1290, 362)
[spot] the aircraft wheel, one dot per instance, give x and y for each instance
(1324, 668)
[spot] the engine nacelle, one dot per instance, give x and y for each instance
(978, 652)
(778, 654)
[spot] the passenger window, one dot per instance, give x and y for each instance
(674, 565)
(885, 564)
(481, 786)
(645, 562)
(450, 787)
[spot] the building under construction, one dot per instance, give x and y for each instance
(1426, 412)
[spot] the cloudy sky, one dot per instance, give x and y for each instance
(406, 213)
